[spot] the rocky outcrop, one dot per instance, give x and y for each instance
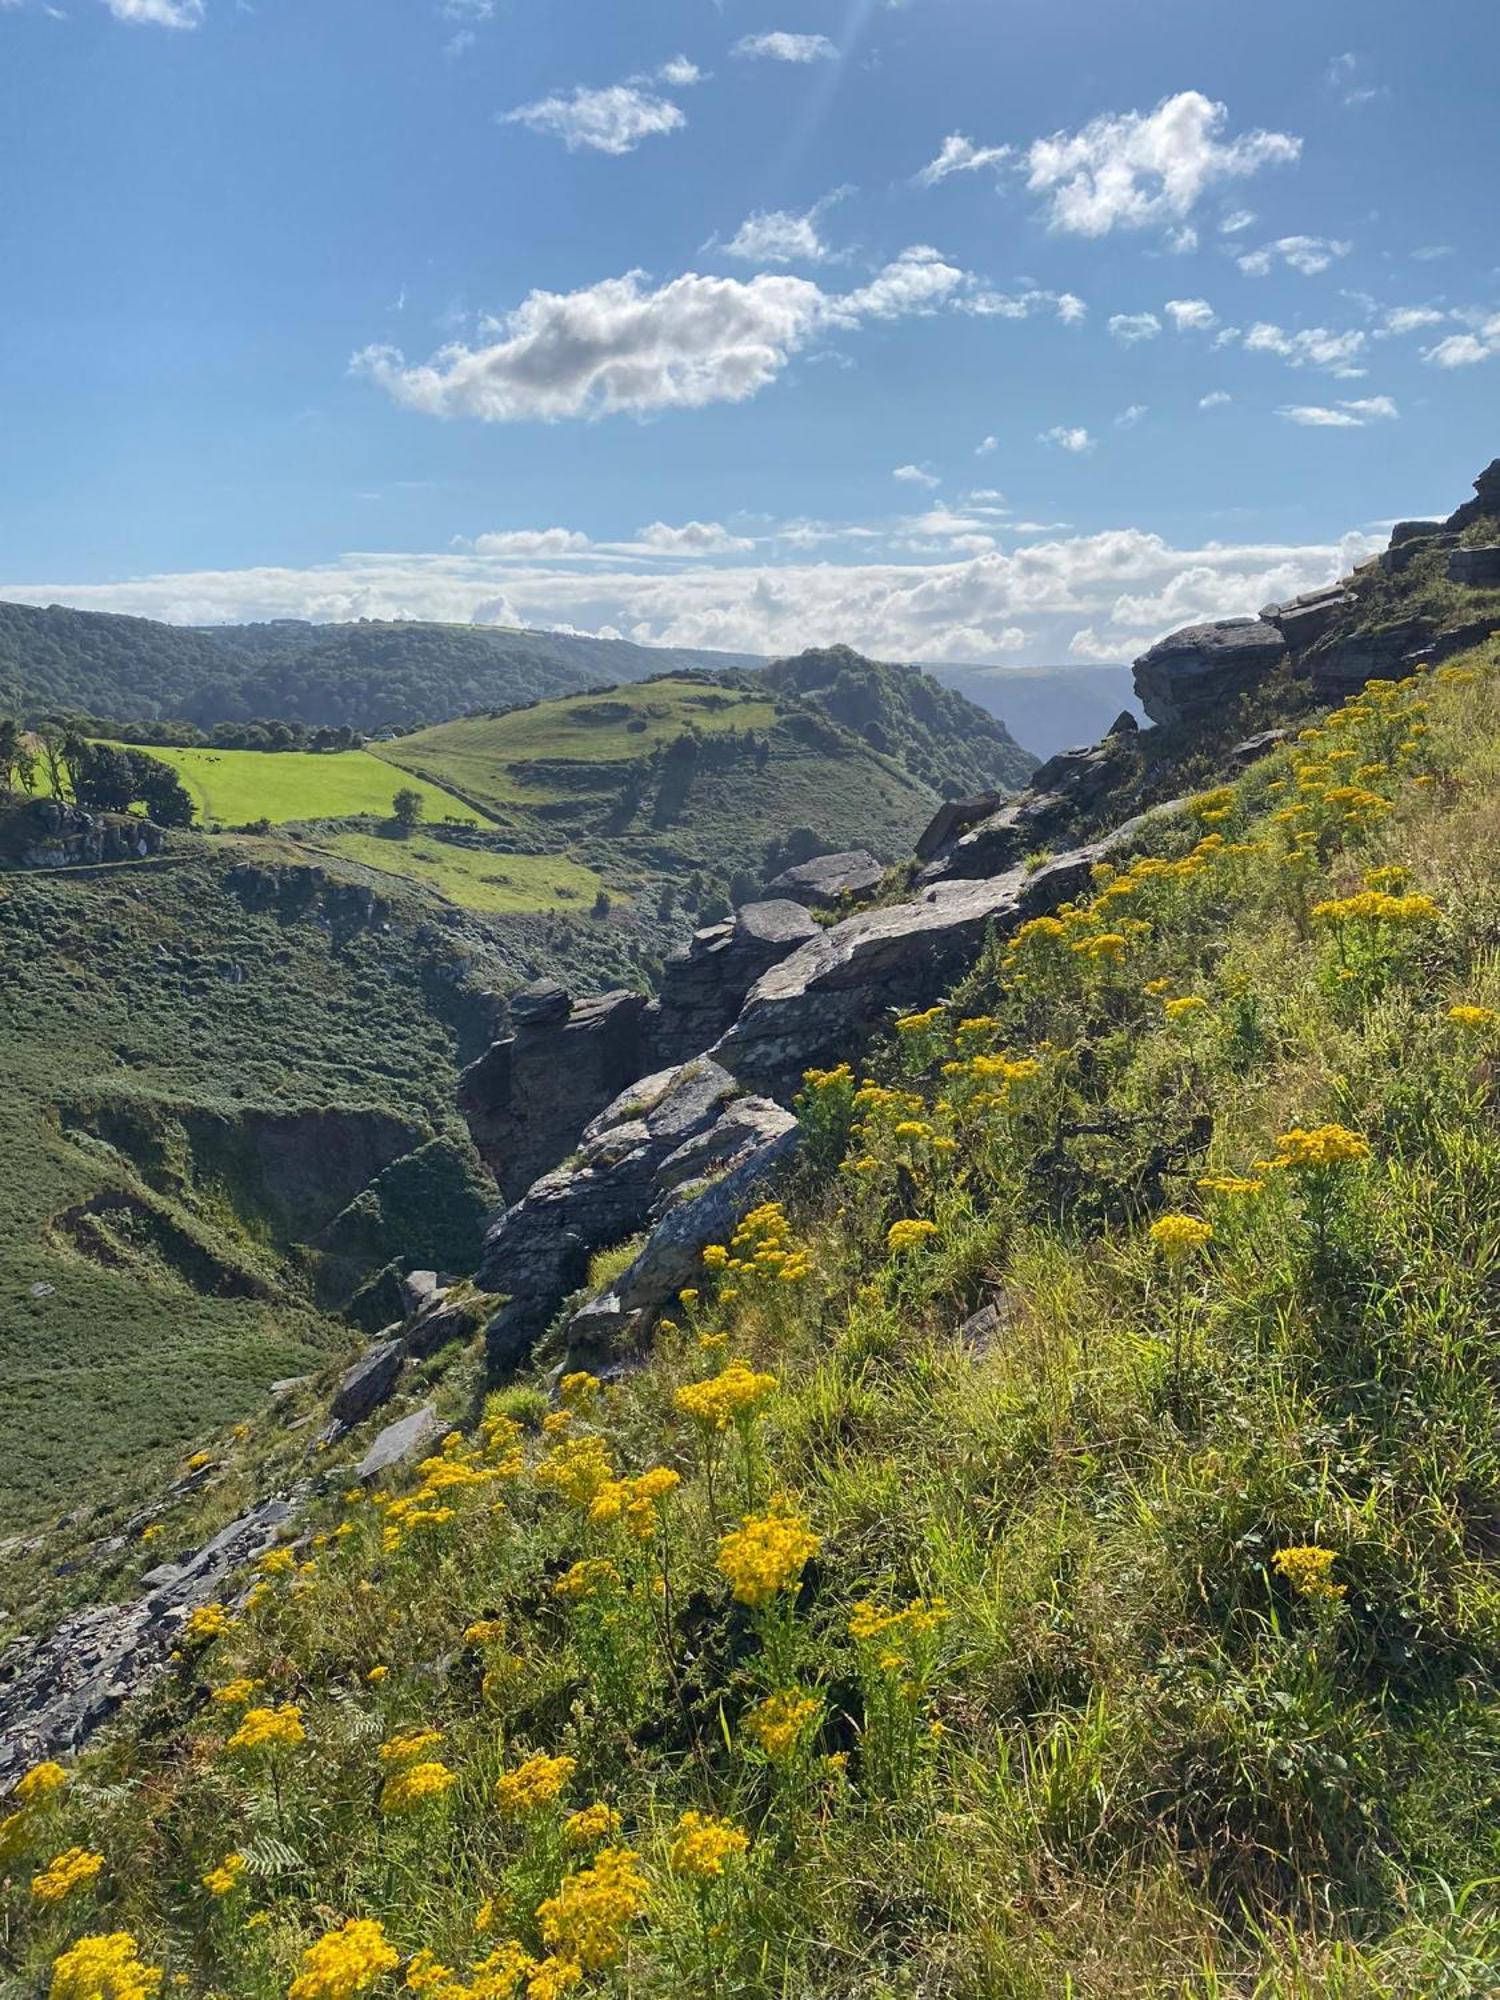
(830, 879)
(48, 833)
(1477, 567)
(1484, 506)
(538, 1250)
(1303, 620)
(56, 1691)
(526, 1097)
(1062, 789)
(366, 1385)
(705, 1188)
(1200, 670)
(399, 1443)
(703, 986)
(952, 819)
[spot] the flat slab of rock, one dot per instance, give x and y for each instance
(1478, 568)
(400, 1443)
(1201, 668)
(826, 881)
(368, 1384)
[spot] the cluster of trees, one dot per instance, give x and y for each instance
(262, 734)
(97, 776)
(667, 775)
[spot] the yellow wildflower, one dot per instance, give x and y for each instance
(407, 1746)
(1323, 1146)
(205, 1623)
(1307, 1568)
(1178, 1236)
(269, 1729)
(735, 1395)
(224, 1879)
(780, 1722)
(1474, 1018)
(701, 1846)
(41, 1783)
(236, 1693)
(906, 1235)
(593, 1824)
(345, 1963)
(1190, 1003)
(416, 1785)
(585, 1922)
(73, 1869)
(765, 1554)
(104, 1967)
(533, 1784)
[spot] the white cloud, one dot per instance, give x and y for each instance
(529, 543)
(1306, 255)
(1100, 596)
(1130, 328)
(1191, 315)
(1343, 417)
(614, 120)
(680, 73)
(985, 446)
(1313, 346)
(776, 236)
(1215, 399)
(1133, 169)
(959, 155)
(618, 346)
(158, 13)
(1068, 437)
(916, 475)
(1184, 241)
(693, 538)
(1348, 78)
(779, 46)
(1410, 319)
(1130, 416)
(1242, 218)
(1070, 309)
(1465, 350)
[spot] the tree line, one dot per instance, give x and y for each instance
(100, 777)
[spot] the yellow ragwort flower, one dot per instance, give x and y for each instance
(416, 1785)
(1308, 1569)
(584, 1924)
(765, 1554)
(1178, 1236)
(73, 1869)
(104, 1966)
(907, 1235)
(534, 1784)
(269, 1729)
(701, 1845)
(225, 1879)
(41, 1783)
(345, 1962)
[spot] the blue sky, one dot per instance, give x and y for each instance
(958, 329)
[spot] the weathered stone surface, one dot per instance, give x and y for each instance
(1059, 791)
(1255, 747)
(368, 1384)
(542, 1002)
(824, 882)
(1343, 665)
(746, 1149)
(526, 1097)
(1486, 501)
(704, 986)
(1399, 557)
(954, 817)
(399, 1443)
(538, 1250)
(55, 1692)
(439, 1327)
(1478, 568)
(53, 834)
(420, 1289)
(1303, 620)
(1201, 669)
(821, 1005)
(1124, 724)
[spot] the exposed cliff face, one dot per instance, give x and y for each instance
(1433, 592)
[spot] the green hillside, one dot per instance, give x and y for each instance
(370, 675)
(1135, 1641)
(236, 787)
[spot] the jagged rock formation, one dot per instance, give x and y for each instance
(959, 848)
(1198, 673)
(830, 879)
(704, 986)
(47, 833)
(55, 1692)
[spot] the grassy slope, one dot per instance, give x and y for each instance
(1120, 1753)
(475, 878)
(156, 989)
(233, 787)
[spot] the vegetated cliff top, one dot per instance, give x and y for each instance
(940, 735)
(1052, 1551)
(369, 675)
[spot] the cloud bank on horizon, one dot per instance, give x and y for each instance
(1200, 332)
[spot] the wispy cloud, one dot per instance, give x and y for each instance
(958, 155)
(614, 120)
(1307, 255)
(779, 46)
(1342, 416)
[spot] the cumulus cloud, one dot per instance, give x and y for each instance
(692, 538)
(158, 13)
(1309, 347)
(1345, 416)
(916, 475)
(614, 120)
(531, 543)
(620, 346)
(1068, 437)
(1131, 328)
(1409, 319)
(958, 155)
(988, 304)
(1307, 255)
(1098, 596)
(1215, 399)
(778, 236)
(1191, 315)
(1464, 350)
(1130, 416)
(779, 46)
(1134, 169)
(985, 446)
